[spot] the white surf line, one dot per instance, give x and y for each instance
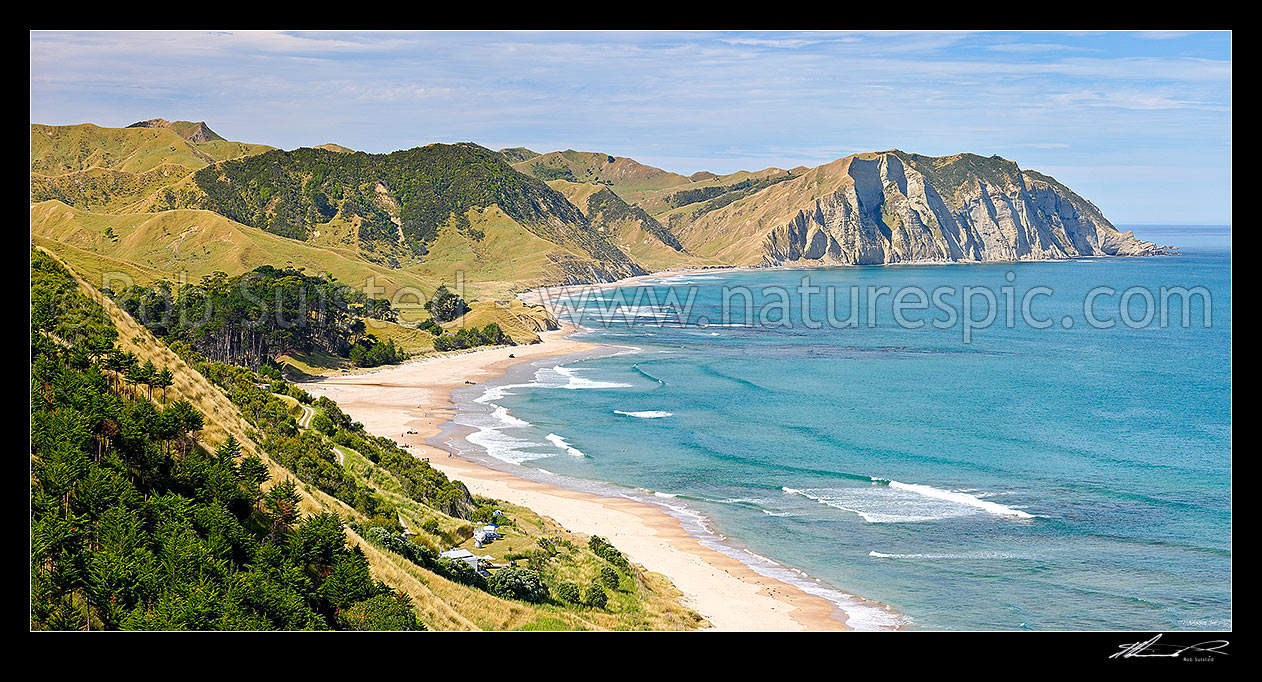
(564, 445)
(651, 414)
(961, 498)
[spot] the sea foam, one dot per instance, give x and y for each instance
(650, 414)
(564, 445)
(896, 502)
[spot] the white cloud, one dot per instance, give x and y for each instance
(714, 100)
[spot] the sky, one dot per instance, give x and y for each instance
(1139, 123)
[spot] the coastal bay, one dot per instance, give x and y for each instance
(415, 397)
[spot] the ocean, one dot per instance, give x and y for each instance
(1037, 468)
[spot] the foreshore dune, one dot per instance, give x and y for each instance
(417, 397)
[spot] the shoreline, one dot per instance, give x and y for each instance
(542, 294)
(416, 397)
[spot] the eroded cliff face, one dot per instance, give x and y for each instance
(897, 208)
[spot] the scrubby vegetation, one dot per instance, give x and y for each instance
(291, 192)
(605, 550)
(518, 583)
(423, 556)
(718, 196)
(309, 454)
(490, 335)
(136, 525)
(609, 207)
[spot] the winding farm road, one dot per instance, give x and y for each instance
(307, 413)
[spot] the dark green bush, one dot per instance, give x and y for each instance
(518, 583)
(569, 592)
(596, 597)
(608, 552)
(609, 577)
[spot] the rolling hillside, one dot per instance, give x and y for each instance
(400, 203)
(115, 169)
(161, 198)
(628, 226)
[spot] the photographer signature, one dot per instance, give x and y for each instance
(1151, 649)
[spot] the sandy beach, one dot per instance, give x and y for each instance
(416, 397)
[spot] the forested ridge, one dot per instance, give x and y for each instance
(291, 192)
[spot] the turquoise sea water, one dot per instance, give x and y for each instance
(1058, 478)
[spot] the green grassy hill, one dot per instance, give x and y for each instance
(628, 226)
(155, 246)
(112, 169)
(189, 130)
(622, 174)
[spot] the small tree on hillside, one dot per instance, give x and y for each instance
(446, 306)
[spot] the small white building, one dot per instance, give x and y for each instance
(462, 555)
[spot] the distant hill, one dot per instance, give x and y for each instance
(397, 207)
(56, 150)
(116, 169)
(514, 219)
(628, 226)
(329, 146)
(618, 172)
(516, 154)
(193, 132)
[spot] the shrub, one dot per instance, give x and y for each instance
(460, 572)
(430, 525)
(322, 423)
(484, 513)
(569, 592)
(609, 577)
(429, 325)
(383, 612)
(596, 597)
(518, 583)
(608, 552)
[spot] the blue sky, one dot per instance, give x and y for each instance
(1140, 123)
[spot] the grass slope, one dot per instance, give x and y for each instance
(622, 174)
(114, 169)
(152, 246)
(65, 149)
